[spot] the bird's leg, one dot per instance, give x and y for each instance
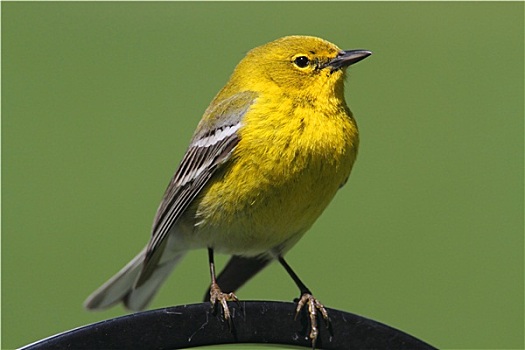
(308, 299)
(216, 293)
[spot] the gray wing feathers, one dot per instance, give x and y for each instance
(213, 142)
(212, 145)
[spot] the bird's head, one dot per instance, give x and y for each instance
(297, 65)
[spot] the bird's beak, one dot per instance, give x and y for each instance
(347, 58)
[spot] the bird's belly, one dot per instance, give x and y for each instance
(276, 184)
(252, 227)
(260, 213)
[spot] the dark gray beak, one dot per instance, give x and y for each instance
(347, 58)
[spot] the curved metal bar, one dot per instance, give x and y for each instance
(194, 325)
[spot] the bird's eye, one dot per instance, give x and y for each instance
(301, 61)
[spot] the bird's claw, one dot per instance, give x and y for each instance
(313, 307)
(216, 295)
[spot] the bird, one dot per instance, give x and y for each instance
(271, 151)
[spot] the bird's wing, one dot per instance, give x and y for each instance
(212, 145)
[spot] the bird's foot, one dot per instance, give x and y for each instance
(216, 295)
(314, 306)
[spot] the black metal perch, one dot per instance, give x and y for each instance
(194, 325)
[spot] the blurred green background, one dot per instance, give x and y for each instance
(100, 101)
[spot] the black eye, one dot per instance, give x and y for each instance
(301, 61)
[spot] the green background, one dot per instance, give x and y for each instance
(101, 99)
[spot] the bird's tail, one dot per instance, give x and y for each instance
(122, 286)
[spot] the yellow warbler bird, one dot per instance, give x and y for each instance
(268, 155)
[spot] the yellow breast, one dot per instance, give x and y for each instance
(289, 163)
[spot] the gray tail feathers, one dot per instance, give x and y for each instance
(122, 286)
